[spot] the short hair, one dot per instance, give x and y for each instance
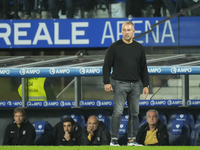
(69, 119)
(128, 22)
(20, 110)
(152, 110)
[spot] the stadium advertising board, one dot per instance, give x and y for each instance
(49, 33)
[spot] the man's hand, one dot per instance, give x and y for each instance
(146, 91)
(90, 130)
(67, 136)
(108, 87)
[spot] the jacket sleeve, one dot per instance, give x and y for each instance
(52, 137)
(108, 64)
(78, 137)
(143, 70)
(84, 138)
(31, 135)
(106, 137)
(163, 137)
(6, 140)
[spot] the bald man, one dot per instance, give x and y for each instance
(95, 133)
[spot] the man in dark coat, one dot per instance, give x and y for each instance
(66, 132)
(154, 132)
(95, 133)
(20, 131)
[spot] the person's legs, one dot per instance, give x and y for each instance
(28, 7)
(133, 109)
(5, 9)
(136, 8)
(54, 8)
(129, 7)
(170, 6)
(157, 7)
(194, 12)
(179, 5)
(70, 8)
(16, 9)
(120, 94)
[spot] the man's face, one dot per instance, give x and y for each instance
(93, 124)
(19, 118)
(127, 32)
(68, 127)
(152, 118)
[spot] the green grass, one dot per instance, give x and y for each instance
(99, 148)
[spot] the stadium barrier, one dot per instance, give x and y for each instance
(77, 72)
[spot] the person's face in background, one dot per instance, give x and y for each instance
(19, 118)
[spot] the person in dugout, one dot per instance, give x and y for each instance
(39, 89)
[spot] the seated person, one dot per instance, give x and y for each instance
(66, 132)
(154, 132)
(95, 133)
(20, 131)
(6, 9)
(54, 6)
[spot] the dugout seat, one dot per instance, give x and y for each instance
(183, 116)
(179, 132)
(198, 118)
(76, 115)
(42, 129)
(195, 135)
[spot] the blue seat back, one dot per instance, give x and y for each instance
(194, 136)
(42, 129)
(179, 132)
(183, 116)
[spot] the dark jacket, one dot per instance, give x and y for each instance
(101, 136)
(57, 136)
(162, 135)
(25, 135)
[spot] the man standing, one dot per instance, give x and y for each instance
(20, 131)
(67, 132)
(95, 133)
(154, 132)
(127, 59)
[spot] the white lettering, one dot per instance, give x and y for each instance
(76, 33)
(18, 33)
(6, 34)
(56, 36)
(46, 36)
(62, 71)
(119, 33)
(167, 24)
(155, 37)
(107, 25)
